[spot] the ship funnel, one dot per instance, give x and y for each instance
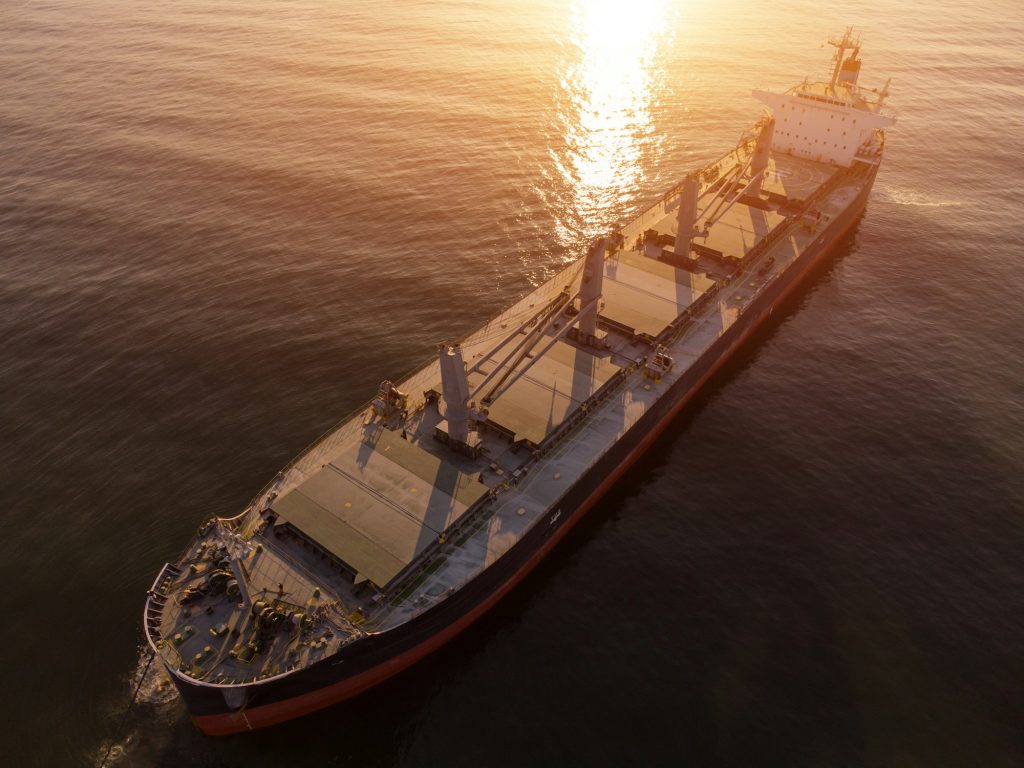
(850, 70)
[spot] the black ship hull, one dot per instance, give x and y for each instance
(375, 658)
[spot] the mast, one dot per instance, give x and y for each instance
(883, 94)
(686, 217)
(591, 286)
(455, 390)
(842, 45)
(762, 153)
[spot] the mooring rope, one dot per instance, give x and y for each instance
(124, 717)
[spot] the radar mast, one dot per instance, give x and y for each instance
(842, 45)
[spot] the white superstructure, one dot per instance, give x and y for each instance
(832, 122)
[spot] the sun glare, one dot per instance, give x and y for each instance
(609, 89)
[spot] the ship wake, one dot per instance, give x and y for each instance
(915, 199)
(139, 729)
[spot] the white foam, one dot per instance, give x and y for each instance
(157, 696)
(916, 199)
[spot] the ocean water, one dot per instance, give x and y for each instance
(222, 224)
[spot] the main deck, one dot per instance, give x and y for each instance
(383, 517)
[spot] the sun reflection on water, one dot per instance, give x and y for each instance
(605, 118)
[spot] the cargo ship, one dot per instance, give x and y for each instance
(398, 528)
